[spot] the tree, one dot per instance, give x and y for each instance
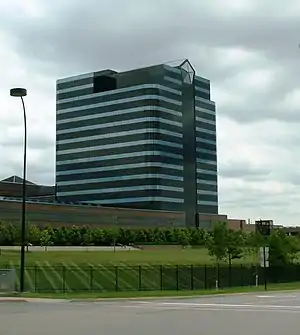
(253, 243)
(34, 234)
(235, 243)
(217, 242)
(88, 238)
(279, 248)
(293, 244)
(45, 239)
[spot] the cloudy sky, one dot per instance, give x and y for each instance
(249, 49)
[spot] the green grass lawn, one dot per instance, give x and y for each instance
(158, 256)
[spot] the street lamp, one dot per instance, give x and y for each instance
(22, 92)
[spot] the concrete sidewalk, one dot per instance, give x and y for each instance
(71, 248)
(32, 300)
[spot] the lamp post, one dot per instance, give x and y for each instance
(22, 92)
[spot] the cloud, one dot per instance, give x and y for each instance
(248, 48)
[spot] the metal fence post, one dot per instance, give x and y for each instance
(35, 278)
(161, 278)
(218, 276)
(205, 277)
(229, 275)
(64, 278)
(117, 278)
(91, 278)
(140, 278)
(192, 277)
(242, 275)
(177, 277)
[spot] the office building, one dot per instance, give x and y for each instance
(142, 139)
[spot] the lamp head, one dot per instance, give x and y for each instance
(18, 92)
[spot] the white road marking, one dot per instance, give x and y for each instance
(188, 304)
(256, 309)
(277, 296)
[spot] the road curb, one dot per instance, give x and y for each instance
(160, 297)
(7, 300)
(182, 296)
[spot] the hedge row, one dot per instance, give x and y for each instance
(76, 236)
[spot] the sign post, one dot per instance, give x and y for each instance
(264, 261)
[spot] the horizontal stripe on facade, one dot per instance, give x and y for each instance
(87, 198)
(206, 187)
(123, 167)
(133, 142)
(211, 200)
(90, 185)
(142, 104)
(207, 156)
(207, 182)
(84, 149)
(206, 192)
(204, 171)
(111, 158)
(208, 167)
(122, 93)
(205, 118)
(153, 130)
(206, 107)
(201, 89)
(114, 151)
(205, 161)
(105, 197)
(205, 125)
(203, 94)
(74, 106)
(157, 121)
(119, 115)
(130, 92)
(138, 199)
(206, 136)
(73, 81)
(201, 140)
(204, 112)
(202, 150)
(114, 136)
(88, 164)
(118, 145)
(206, 176)
(200, 92)
(206, 131)
(202, 82)
(208, 203)
(121, 178)
(175, 70)
(207, 147)
(74, 89)
(117, 190)
(173, 80)
(76, 92)
(83, 173)
(209, 104)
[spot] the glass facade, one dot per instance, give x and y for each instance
(143, 139)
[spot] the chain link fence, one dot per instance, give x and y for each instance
(77, 278)
(7, 280)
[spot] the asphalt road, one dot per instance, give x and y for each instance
(264, 314)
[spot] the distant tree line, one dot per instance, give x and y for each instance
(222, 243)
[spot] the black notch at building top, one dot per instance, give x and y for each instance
(104, 83)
